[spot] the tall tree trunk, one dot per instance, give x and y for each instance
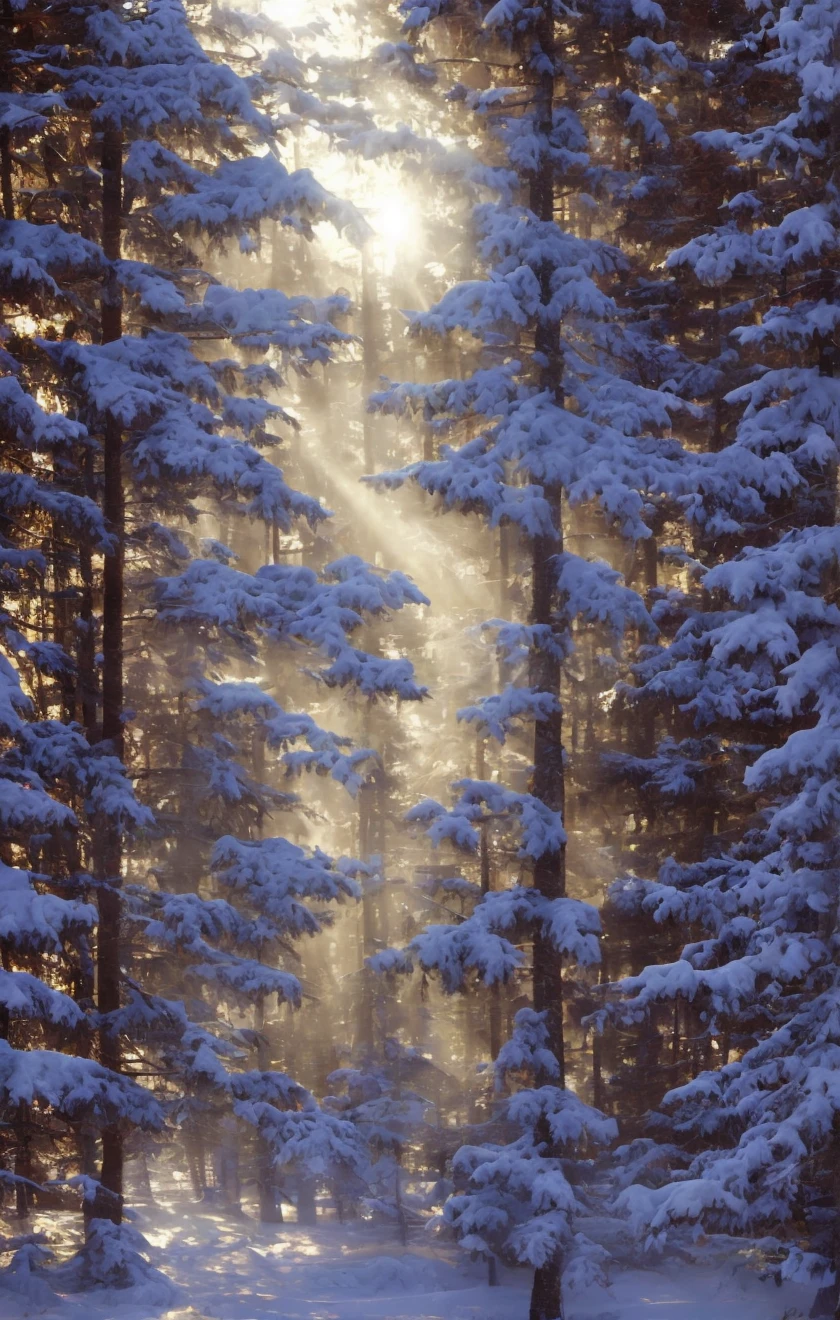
(495, 1009)
(307, 1206)
(7, 191)
(108, 847)
(187, 857)
(598, 1090)
(196, 1159)
(87, 686)
(369, 350)
(366, 1033)
(827, 1301)
(548, 781)
(371, 840)
(62, 620)
(23, 1159)
(270, 1209)
(548, 784)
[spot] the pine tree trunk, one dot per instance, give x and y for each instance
(368, 932)
(23, 1159)
(108, 859)
(306, 1205)
(598, 1091)
(144, 1178)
(495, 1008)
(269, 1198)
(270, 1209)
(369, 353)
(504, 566)
(827, 1301)
(196, 1162)
(62, 621)
(548, 781)
(5, 1018)
(369, 837)
(87, 686)
(7, 191)
(402, 1220)
(643, 717)
(185, 871)
(495, 1012)
(546, 1302)
(548, 784)
(271, 1212)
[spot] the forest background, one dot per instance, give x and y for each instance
(420, 688)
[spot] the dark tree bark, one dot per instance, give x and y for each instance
(548, 781)
(372, 800)
(366, 1033)
(108, 859)
(485, 862)
(548, 784)
(23, 1159)
(197, 1163)
(269, 1193)
(827, 1301)
(7, 192)
(495, 1008)
(87, 686)
(307, 1207)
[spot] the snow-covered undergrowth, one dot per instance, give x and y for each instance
(222, 1269)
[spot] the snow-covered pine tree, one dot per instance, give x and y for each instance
(556, 415)
(394, 1105)
(753, 660)
(57, 788)
(60, 787)
(364, 92)
(162, 429)
(679, 785)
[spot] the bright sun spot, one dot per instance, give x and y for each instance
(393, 218)
(292, 13)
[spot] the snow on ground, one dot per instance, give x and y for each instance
(234, 1270)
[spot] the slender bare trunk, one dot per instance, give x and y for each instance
(109, 847)
(369, 353)
(548, 781)
(827, 1301)
(7, 192)
(307, 1206)
(367, 808)
(598, 1089)
(270, 1209)
(494, 1012)
(23, 1159)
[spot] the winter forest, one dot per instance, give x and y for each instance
(420, 659)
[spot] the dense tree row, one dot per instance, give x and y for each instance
(622, 373)
(681, 414)
(138, 405)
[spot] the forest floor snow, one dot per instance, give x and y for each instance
(235, 1270)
